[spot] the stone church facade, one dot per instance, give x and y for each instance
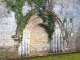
(35, 39)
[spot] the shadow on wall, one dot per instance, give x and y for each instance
(78, 40)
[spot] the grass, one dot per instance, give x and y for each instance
(73, 56)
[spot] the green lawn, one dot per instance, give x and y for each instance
(74, 56)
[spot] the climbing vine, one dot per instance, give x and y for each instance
(65, 28)
(43, 10)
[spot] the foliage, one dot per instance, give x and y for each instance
(71, 20)
(65, 30)
(41, 9)
(64, 21)
(66, 35)
(22, 25)
(46, 15)
(48, 25)
(17, 8)
(24, 21)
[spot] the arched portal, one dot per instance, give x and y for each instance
(24, 47)
(57, 40)
(35, 38)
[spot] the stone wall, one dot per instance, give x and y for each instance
(63, 8)
(7, 25)
(78, 40)
(69, 9)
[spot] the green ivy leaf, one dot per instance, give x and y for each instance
(71, 20)
(64, 21)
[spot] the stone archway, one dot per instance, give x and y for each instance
(57, 39)
(24, 47)
(27, 46)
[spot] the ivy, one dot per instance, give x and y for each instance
(24, 21)
(71, 20)
(48, 26)
(64, 21)
(17, 8)
(47, 16)
(65, 30)
(41, 10)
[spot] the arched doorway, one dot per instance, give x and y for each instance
(57, 40)
(35, 38)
